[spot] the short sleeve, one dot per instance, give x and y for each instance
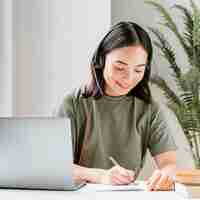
(161, 129)
(67, 109)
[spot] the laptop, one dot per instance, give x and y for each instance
(36, 153)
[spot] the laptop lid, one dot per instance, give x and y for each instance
(36, 153)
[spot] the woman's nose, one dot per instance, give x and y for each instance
(127, 75)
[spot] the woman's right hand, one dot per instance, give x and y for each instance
(117, 175)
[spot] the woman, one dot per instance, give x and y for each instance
(114, 115)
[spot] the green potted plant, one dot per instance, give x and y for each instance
(186, 102)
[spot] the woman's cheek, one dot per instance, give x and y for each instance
(113, 79)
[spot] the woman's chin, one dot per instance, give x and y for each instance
(118, 91)
(122, 92)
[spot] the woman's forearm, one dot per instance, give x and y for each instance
(92, 175)
(166, 162)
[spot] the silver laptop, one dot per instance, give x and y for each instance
(36, 153)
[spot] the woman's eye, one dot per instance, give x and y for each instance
(138, 71)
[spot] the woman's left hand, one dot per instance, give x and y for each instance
(160, 181)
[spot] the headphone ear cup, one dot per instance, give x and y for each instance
(101, 61)
(98, 59)
(98, 64)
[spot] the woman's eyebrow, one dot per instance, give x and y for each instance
(141, 65)
(121, 62)
(124, 63)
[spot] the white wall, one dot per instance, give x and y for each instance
(6, 72)
(54, 41)
(146, 16)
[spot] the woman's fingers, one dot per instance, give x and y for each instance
(124, 172)
(131, 174)
(119, 180)
(170, 184)
(160, 181)
(161, 184)
(115, 181)
(120, 175)
(117, 175)
(151, 183)
(167, 184)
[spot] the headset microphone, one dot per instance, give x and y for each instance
(97, 82)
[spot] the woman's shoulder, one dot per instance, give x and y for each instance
(77, 98)
(70, 101)
(75, 94)
(153, 106)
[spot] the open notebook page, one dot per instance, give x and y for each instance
(136, 186)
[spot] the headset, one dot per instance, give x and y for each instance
(97, 63)
(96, 80)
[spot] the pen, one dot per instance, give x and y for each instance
(114, 161)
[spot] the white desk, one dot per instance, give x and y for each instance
(85, 194)
(79, 195)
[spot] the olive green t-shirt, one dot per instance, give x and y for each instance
(123, 127)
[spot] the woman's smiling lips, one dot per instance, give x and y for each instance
(124, 86)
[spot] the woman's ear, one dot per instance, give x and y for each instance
(101, 61)
(98, 63)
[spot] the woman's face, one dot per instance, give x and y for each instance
(124, 69)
